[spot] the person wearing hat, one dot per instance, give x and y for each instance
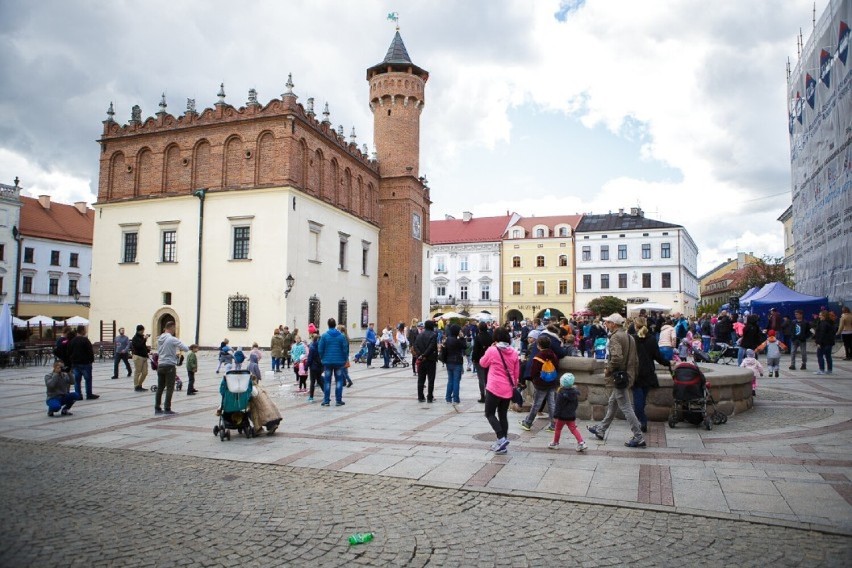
(567, 400)
(622, 357)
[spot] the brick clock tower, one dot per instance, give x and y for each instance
(396, 99)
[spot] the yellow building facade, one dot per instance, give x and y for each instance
(537, 260)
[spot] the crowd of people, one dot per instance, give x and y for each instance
(507, 359)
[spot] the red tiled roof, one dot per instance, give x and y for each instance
(551, 221)
(59, 223)
(477, 230)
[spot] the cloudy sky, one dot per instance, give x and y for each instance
(541, 107)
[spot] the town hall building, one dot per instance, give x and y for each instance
(233, 220)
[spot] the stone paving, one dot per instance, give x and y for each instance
(774, 484)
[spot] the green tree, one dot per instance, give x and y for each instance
(705, 307)
(762, 272)
(606, 305)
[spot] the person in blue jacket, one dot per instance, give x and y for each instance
(334, 353)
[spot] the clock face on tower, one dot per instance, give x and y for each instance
(415, 226)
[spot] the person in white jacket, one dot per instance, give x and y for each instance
(668, 339)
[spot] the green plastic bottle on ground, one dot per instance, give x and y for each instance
(360, 538)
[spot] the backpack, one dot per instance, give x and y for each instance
(548, 370)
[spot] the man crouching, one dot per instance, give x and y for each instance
(58, 397)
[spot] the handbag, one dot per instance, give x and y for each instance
(517, 396)
(621, 379)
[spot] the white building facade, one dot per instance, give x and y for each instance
(466, 276)
(252, 245)
(637, 260)
(10, 212)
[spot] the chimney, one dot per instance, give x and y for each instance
(467, 216)
(81, 207)
(635, 212)
(621, 212)
(44, 201)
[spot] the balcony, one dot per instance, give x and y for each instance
(51, 299)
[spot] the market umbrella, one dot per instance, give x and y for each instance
(18, 322)
(451, 315)
(7, 343)
(76, 320)
(35, 321)
(482, 316)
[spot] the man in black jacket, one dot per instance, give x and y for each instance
(139, 348)
(801, 333)
(426, 348)
(481, 342)
(82, 355)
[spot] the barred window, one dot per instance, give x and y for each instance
(314, 310)
(238, 311)
(341, 312)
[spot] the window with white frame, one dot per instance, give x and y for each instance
(27, 285)
(72, 286)
(604, 252)
(666, 279)
(463, 263)
(622, 280)
(563, 260)
(563, 231)
(169, 246)
(485, 262)
(516, 288)
(314, 233)
(463, 292)
(441, 290)
(587, 253)
(131, 243)
(440, 264)
(604, 281)
(242, 239)
(365, 256)
(484, 291)
(539, 261)
(563, 287)
(587, 281)
(622, 252)
(516, 262)
(53, 287)
(646, 251)
(539, 233)
(517, 234)
(342, 250)
(666, 250)
(539, 288)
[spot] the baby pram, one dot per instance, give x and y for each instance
(361, 356)
(723, 354)
(236, 391)
(396, 357)
(691, 398)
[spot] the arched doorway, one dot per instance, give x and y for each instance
(161, 318)
(514, 315)
(554, 314)
(164, 320)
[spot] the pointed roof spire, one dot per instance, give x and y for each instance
(221, 94)
(163, 104)
(289, 84)
(326, 114)
(353, 139)
(110, 113)
(397, 52)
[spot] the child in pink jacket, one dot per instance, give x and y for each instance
(749, 362)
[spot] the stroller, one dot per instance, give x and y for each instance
(236, 390)
(361, 356)
(396, 357)
(723, 354)
(691, 397)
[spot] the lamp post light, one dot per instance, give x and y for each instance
(77, 299)
(290, 282)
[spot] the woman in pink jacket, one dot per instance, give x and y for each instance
(504, 369)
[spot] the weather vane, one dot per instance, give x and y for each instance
(394, 17)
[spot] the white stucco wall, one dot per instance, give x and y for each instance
(280, 244)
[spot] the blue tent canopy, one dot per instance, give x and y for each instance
(747, 296)
(786, 301)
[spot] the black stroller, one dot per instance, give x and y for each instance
(723, 354)
(236, 391)
(396, 357)
(691, 398)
